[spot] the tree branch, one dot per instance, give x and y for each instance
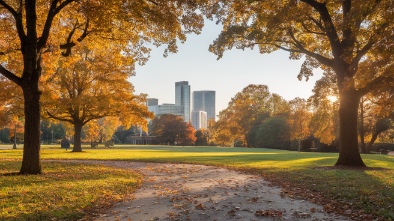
(59, 118)
(329, 26)
(301, 49)
(9, 51)
(70, 44)
(18, 19)
(367, 46)
(318, 24)
(310, 31)
(12, 77)
(374, 83)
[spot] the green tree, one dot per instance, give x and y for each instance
(337, 36)
(5, 135)
(32, 31)
(274, 133)
(51, 129)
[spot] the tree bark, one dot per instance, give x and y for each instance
(77, 137)
(29, 83)
(31, 163)
(349, 154)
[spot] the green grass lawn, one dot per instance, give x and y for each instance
(304, 175)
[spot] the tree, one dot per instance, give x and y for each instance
(376, 117)
(5, 135)
(202, 137)
(337, 36)
(122, 133)
(381, 125)
(299, 119)
(92, 84)
(11, 111)
(224, 132)
(169, 129)
(323, 123)
(32, 31)
(273, 133)
(244, 108)
(186, 137)
(51, 130)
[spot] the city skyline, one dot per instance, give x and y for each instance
(227, 76)
(203, 105)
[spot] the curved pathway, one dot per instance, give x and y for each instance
(196, 192)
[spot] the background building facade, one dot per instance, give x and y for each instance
(182, 98)
(199, 120)
(205, 101)
(152, 102)
(159, 110)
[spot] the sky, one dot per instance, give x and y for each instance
(227, 76)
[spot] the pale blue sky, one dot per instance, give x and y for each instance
(227, 76)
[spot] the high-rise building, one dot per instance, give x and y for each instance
(205, 101)
(199, 120)
(182, 98)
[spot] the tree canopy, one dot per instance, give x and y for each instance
(173, 130)
(336, 36)
(34, 31)
(92, 84)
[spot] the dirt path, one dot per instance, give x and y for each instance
(195, 192)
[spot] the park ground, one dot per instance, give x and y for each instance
(77, 185)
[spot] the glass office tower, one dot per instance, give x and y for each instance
(182, 98)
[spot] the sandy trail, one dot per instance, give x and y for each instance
(196, 192)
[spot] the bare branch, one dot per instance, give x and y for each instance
(9, 51)
(59, 118)
(329, 26)
(53, 11)
(9, 8)
(17, 14)
(374, 83)
(367, 46)
(8, 74)
(310, 31)
(153, 2)
(318, 24)
(70, 44)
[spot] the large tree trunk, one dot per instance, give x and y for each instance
(77, 137)
(349, 154)
(29, 83)
(31, 149)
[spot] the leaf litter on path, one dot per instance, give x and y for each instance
(173, 192)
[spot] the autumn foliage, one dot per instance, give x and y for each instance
(173, 130)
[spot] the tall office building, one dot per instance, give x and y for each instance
(199, 120)
(182, 98)
(205, 101)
